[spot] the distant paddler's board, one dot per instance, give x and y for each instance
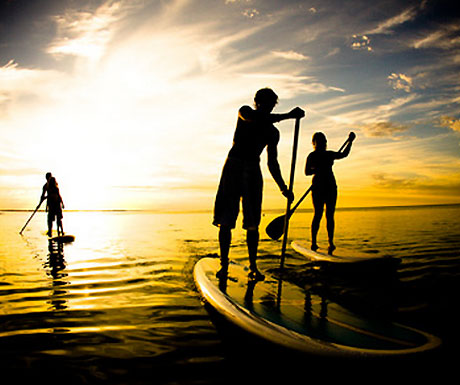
(62, 238)
(341, 255)
(299, 320)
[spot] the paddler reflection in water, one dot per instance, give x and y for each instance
(324, 187)
(54, 204)
(242, 178)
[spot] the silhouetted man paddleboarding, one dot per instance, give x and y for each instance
(242, 178)
(54, 204)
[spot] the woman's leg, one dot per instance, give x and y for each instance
(330, 212)
(318, 205)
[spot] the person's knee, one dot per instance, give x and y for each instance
(317, 216)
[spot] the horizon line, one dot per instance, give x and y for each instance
(166, 211)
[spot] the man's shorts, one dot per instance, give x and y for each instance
(240, 181)
(54, 213)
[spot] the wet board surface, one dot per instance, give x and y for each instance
(62, 238)
(340, 255)
(285, 314)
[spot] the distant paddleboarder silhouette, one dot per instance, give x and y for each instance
(241, 178)
(54, 204)
(324, 187)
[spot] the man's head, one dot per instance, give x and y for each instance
(48, 176)
(265, 100)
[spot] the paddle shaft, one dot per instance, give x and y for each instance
(291, 186)
(31, 217)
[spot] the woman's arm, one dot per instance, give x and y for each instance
(347, 149)
(345, 152)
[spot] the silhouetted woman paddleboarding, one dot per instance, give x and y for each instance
(324, 187)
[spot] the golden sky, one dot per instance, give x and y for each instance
(133, 104)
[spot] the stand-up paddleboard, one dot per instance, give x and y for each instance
(287, 315)
(62, 238)
(341, 255)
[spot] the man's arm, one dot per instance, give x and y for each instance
(275, 171)
(44, 190)
(248, 114)
(296, 113)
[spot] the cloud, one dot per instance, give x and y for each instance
(388, 181)
(361, 43)
(24, 86)
(388, 25)
(250, 13)
(364, 111)
(290, 55)
(446, 37)
(87, 33)
(450, 122)
(291, 86)
(442, 185)
(400, 82)
(383, 129)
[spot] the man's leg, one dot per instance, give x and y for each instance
(252, 239)
(225, 239)
(50, 224)
(59, 226)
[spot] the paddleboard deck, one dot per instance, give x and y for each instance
(62, 238)
(341, 255)
(287, 315)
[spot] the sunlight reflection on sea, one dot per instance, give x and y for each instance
(120, 301)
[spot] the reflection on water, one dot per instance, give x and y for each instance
(119, 303)
(55, 266)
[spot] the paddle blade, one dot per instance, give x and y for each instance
(275, 228)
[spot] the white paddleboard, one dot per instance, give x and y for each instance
(340, 255)
(62, 238)
(287, 315)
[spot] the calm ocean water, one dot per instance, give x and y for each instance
(119, 305)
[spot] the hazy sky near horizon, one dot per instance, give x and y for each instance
(133, 104)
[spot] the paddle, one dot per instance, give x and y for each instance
(275, 228)
(20, 233)
(291, 186)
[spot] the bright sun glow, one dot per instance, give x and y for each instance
(140, 107)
